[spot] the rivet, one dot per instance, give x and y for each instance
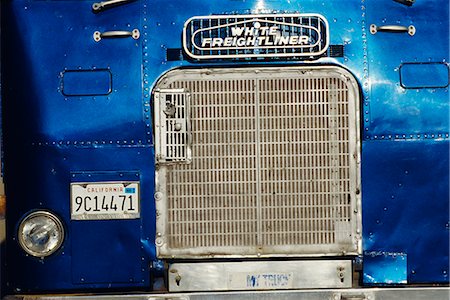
(158, 196)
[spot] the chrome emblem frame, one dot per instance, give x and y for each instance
(253, 36)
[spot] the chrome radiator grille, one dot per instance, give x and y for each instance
(275, 165)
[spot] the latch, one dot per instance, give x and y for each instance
(411, 30)
(406, 2)
(98, 36)
(353, 296)
(101, 6)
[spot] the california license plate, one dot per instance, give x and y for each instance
(105, 200)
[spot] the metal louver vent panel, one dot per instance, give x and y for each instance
(172, 134)
(275, 165)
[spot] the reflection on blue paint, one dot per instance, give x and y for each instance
(385, 268)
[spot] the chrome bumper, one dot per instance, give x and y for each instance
(435, 293)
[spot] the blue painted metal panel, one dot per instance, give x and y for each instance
(111, 248)
(406, 205)
(96, 82)
(92, 251)
(424, 75)
(48, 136)
(162, 19)
(393, 109)
(405, 153)
(50, 38)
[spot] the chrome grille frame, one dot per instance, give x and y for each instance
(248, 215)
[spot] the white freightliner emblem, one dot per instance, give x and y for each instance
(250, 36)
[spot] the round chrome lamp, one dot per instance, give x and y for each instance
(41, 233)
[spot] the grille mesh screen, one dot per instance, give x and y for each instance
(270, 170)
